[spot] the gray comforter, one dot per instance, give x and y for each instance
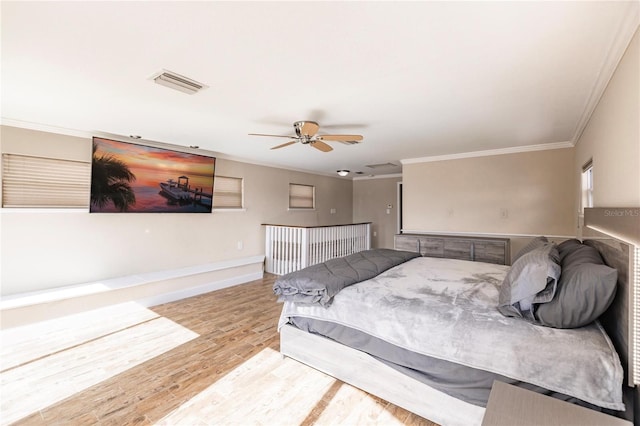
(321, 282)
(446, 309)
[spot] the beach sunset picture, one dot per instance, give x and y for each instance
(133, 178)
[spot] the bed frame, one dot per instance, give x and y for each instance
(367, 373)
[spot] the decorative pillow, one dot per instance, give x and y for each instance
(532, 245)
(532, 279)
(568, 247)
(585, 290)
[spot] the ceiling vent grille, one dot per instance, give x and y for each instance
(381, 166)
(178, 82)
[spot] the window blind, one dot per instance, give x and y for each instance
(40, 182)
(621, 223)
(587, 184)
(635, 326)
(301, 196)
(227, 193)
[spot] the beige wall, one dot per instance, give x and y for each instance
(539, 190)
(612, 137)
(45, 249)
(469, 195)
(370, 200)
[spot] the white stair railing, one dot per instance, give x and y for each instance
(291, 248)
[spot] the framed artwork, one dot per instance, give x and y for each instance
(132, 178)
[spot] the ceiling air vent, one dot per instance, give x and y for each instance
(178, 82)
(381, 166)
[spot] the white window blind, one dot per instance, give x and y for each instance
(587, 185)
(301, 196)
(44, 182)
(635, 294)
(227, 193)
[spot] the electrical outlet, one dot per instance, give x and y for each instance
(240, 245)
(504, 213)
(332, 211)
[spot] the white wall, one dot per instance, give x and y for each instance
(534, 189)
(44, 249)
(370, 200)
(612, 137)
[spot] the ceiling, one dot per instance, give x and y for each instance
(416, 79)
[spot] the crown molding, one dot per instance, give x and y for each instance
(626, 29)
(29, 125)
(490, 152)
(389, 176)
(101, 134)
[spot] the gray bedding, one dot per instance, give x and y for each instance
(446, 309)
(468, 384)
(319, 283)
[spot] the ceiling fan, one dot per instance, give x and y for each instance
(306, 133)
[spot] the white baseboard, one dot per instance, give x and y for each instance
(201, 289)
(129, 281)
(147, 289)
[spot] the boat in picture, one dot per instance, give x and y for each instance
(177, 191)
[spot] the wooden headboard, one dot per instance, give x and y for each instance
(617, 319)
(616, 234)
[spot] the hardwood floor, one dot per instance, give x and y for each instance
(209, 359)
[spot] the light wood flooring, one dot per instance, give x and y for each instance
(209, 359)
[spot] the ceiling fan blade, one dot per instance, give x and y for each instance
(309, 128)
(344, 126)
(284, 144)
(341, 138)
(321, 146)
(274, 136)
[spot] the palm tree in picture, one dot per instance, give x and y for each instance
(110, 182)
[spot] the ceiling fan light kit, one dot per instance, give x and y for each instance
(306, 134)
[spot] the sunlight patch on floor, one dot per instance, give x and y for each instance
(53, 360)
(263, 388)
(351, 406)
(30, 342)
(256, 392)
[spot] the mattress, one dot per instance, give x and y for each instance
(465, 383)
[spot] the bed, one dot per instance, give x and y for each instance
(441, 365)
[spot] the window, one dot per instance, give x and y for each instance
(227, 193)
(635, 318)
(587, 185)
(41, 182)
(301, 196)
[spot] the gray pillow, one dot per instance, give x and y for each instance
(585, 290)
(531, 279)
(537, 242)
(567, 247)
